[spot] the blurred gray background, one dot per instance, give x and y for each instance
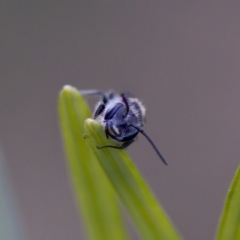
(182, 59)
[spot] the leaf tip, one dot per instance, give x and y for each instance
(93, 124)
(67, 88)
(89, 121)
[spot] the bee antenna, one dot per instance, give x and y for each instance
(152, 143)
(126, 104)
(95, 92)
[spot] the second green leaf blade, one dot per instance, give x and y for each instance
(149, 218)
(229, 227)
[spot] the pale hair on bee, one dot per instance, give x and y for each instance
(122, 117)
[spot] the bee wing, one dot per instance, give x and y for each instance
(95, 92)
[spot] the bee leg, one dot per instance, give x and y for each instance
(124, 145)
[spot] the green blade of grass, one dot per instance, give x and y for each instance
(95, 195)
(229, 226)
(148, 216)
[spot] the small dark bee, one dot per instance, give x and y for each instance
(122, 117)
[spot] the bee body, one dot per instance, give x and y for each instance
(122, 117)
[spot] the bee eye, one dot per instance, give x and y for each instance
(99, 110)
(110, 113)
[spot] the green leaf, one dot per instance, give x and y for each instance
(94, 194)
(148, 216)
(229, 227)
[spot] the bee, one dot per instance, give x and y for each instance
(122, 117)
